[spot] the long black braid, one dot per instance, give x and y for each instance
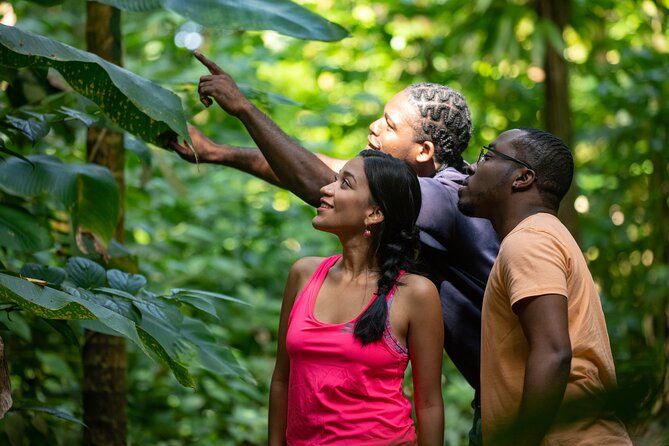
(395, 189)
(446, 121)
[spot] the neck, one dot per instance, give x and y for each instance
(425, 169)
(504, 224)
(439, 167)
(356, 258)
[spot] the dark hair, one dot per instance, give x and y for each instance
(551, 160)
(393, 187)
(446, 121)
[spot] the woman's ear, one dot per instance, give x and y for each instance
(374, 217)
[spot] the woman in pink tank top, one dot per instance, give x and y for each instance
(350, 323)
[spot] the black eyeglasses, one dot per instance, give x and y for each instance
(486, 149)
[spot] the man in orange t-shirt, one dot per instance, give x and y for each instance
(545, 353)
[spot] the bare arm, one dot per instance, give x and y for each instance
(278, 393)
(297, 169)
(426, 340)
(247, 159)
(545, 324)
(204, 150)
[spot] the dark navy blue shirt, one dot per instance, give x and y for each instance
(457, 253)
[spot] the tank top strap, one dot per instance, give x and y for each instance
(304, 299)
(388, 335)
(391, 293)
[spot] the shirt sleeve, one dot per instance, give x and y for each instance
(534, 263)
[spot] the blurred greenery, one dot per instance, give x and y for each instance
(211, 228)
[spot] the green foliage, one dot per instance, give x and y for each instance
(136, 104)
(212, 228)
(152, 321)
(18, 230)
(282, 16)
(87, 191)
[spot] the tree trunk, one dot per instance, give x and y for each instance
(557, 113)
(104, 356)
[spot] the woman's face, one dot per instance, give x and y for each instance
(345, 202)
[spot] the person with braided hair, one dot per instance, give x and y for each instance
(350, 323)
(426, 125)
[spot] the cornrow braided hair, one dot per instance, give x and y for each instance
(445, 120)
(395, 189)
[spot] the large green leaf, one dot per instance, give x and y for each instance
(138, 105)
(186, 339)
(53, 275)
(130, 283)
(88, 191)
(52, 411)
(19, 230)
(80, 304)
(85, 273)
(34, 129)
(282, 16)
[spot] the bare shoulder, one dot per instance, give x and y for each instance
(306, 265)
(302, 269)
(419, 287)
(298, 276)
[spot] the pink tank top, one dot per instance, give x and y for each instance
(341, 392)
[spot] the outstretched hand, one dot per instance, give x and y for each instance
(203, 149)
(221, 87)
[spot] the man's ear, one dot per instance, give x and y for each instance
(524, 179)
(375, 216)
(426, 152)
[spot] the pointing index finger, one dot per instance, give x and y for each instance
(211, 66)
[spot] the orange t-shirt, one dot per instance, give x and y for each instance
(539, 256)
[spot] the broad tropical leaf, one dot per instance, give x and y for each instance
(282, 16)
(191, 342)
(53, 411)
(33, 128)
(80, 304)
(208, 354)
(20, 231)
(138, 105)
(53, 275)
(88, 191)
(202, 300)
(130, 283)
(180, 292)
(87, 119)
(85, 273)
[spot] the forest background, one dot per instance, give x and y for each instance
(214, 245)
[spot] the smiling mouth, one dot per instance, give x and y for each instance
(325, 205)
(371, 145)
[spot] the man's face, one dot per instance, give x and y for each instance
(393, 133)
(489, 180)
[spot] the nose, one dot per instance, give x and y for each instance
(374, 127)
(327, 189)
(471, 169)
